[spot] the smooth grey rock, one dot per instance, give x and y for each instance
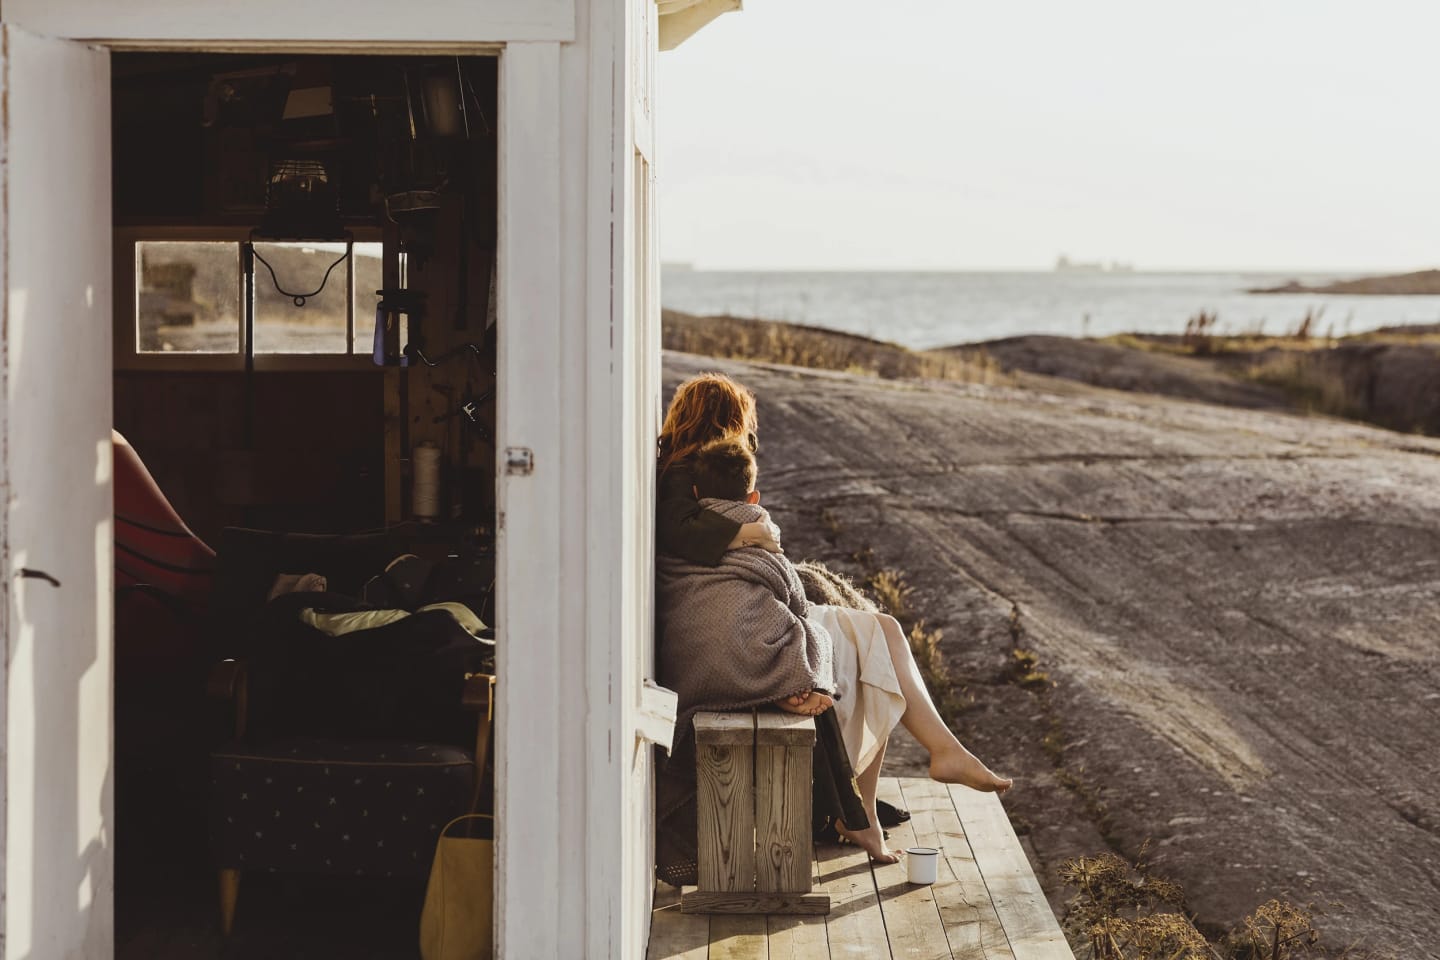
(1240, 611)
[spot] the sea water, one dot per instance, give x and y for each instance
(923, 310)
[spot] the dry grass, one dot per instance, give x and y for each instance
(737, 338)
(1204, 344)
(1310, 382)
(1383, 377)
(892, 593)
(1123, 911)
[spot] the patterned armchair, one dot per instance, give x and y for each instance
(348, 758)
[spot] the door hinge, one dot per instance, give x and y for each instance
(519, 461)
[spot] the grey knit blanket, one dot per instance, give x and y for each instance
(736, 636)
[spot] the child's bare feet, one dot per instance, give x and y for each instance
(797, 699)
(871, 840)
(958, 765)
(812, 705)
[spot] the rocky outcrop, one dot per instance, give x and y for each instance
(1420, 283)
(1120, 367)
(1389, 378)
(1238, 611)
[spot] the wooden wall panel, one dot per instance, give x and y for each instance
(316, 463)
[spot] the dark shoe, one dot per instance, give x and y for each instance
(889, 814)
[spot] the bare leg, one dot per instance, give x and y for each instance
(950, 762)
(872, 839)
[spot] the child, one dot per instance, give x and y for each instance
(737, 634)
(872, 663)
(730, 636)
(705, 409)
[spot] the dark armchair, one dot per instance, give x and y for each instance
(350, 753)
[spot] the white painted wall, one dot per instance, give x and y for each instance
(639, 340)
(579, 376)
(55, 463)
(257, 23)
(580, 388)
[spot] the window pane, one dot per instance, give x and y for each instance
(320, 325)
(369, 277)
(187, 297)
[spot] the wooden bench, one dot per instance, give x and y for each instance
(755, 849)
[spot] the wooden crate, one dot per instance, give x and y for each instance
(754, 781)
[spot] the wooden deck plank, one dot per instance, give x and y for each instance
(777, 729)
(987, 903)
(675, 935)
(726, 729)
(796, 937)
(912, 921)
(855, 927)
(815, 903)
(784, 854)
(735, 937)
(1020, 904)
(725, 781)
(971, 925)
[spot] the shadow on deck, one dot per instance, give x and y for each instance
(986, 905)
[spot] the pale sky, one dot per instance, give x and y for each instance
(935, 134)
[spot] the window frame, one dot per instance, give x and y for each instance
(128, 357)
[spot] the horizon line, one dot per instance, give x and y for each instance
(691, 267)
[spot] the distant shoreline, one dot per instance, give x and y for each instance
(1421, 283)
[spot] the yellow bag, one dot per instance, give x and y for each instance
(456, 922)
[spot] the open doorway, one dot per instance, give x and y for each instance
(276, 397)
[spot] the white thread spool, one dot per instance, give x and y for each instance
(425, 491)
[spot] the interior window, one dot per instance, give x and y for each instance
(286, 272)
(187, 297)
(190, 297)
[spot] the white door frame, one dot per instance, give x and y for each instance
(56, 505)
(569, 546)
(270, 25)
(575, 547)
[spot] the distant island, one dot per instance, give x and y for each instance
(1421, 283)
(1064, 264)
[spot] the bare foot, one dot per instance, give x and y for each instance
(871, 840)
(959, 765)
(817, 703)
(797, 699)
(811, 706)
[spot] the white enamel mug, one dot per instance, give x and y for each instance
(921, 864)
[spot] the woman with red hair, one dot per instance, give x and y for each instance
(705, 408)
(877, 679)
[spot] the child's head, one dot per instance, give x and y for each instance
(725, 470)
(706, 408)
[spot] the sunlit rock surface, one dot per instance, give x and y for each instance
(1239, 611)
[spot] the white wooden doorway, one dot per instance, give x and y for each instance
(55, 463)
(579, 394)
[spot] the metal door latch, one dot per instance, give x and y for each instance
(519, 461)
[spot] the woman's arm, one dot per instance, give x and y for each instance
(683, 529)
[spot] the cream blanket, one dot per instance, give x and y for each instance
(870, 702)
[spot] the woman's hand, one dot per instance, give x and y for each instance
(757, 533)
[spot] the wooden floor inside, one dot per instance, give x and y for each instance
(985, 905)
